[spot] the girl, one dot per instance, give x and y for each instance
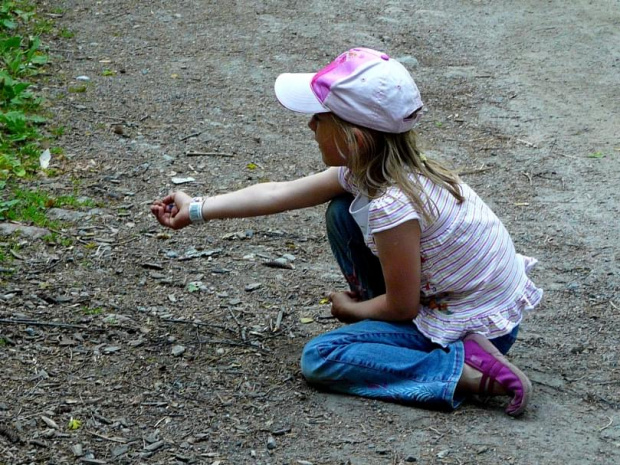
(437, 291)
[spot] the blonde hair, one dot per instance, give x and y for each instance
(378, 160)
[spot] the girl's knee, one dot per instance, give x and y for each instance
(311, 361)
(314, 359)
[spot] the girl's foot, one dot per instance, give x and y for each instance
(494, 374)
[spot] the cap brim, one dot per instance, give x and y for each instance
(294, 92)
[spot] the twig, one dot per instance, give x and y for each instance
(479, 170)
(209, 154)
(120, 440)
(234, 317)
(611, 420)
(197, 323)
(21, 321)
(189, 136)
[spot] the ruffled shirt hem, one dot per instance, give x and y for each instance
(444, 329)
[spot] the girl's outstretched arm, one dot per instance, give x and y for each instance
(399, 252)
(257, 200)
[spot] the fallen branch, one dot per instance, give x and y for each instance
(209, 154)
(475, 171)
(21, 321)
(195, 134)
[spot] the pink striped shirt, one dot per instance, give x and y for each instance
(472, 279)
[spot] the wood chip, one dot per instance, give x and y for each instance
(49, 422)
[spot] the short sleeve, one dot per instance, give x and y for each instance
(389, 211)
(344, 178)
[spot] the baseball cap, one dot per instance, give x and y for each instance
(362, 86)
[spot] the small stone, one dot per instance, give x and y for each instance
(154, 446)
(178, 350)
(411, 459)
(120, 450)
(110, 350)
(252, 287)
(77, 450)
(179, 180)
(271, 443)
(49, 422)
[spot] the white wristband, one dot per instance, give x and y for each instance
(195, 211)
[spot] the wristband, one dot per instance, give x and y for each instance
(195, 211)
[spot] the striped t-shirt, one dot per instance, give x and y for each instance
(472, 279)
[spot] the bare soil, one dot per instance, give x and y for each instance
(183, 347)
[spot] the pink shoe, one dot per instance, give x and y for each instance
(483, 356)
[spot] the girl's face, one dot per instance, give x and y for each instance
(331, 141)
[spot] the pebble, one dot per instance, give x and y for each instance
(411, 459)
(110, 350)
(77, 450)
(252, 287)
(179, 180)
(154, 446)
(120, 450)
(178, 350)
(271, 443)
(82, 78)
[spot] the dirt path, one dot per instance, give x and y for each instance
(521, 96)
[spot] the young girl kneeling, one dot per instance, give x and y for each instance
(437, 290)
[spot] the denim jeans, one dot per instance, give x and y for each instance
(380, 359)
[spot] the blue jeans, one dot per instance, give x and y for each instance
(380, 359)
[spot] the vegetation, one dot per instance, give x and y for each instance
(24, 129)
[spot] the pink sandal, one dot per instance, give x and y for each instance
(483, 356)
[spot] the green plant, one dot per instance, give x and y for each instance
(21, 58)
(57, 131)
(92, 311)
(66, 33)
(30, 207)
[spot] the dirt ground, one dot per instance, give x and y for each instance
(183, 347)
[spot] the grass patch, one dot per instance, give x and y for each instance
(92, 311)
(23, 130)
(28, 206)
(21, 58)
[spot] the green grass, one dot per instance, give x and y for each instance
(92, 311)
(24, 130)
(21, 59)
(27, 206)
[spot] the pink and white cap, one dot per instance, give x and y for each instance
(361, 86)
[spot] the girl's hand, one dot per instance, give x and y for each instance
(173, 210)
(343, 306)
